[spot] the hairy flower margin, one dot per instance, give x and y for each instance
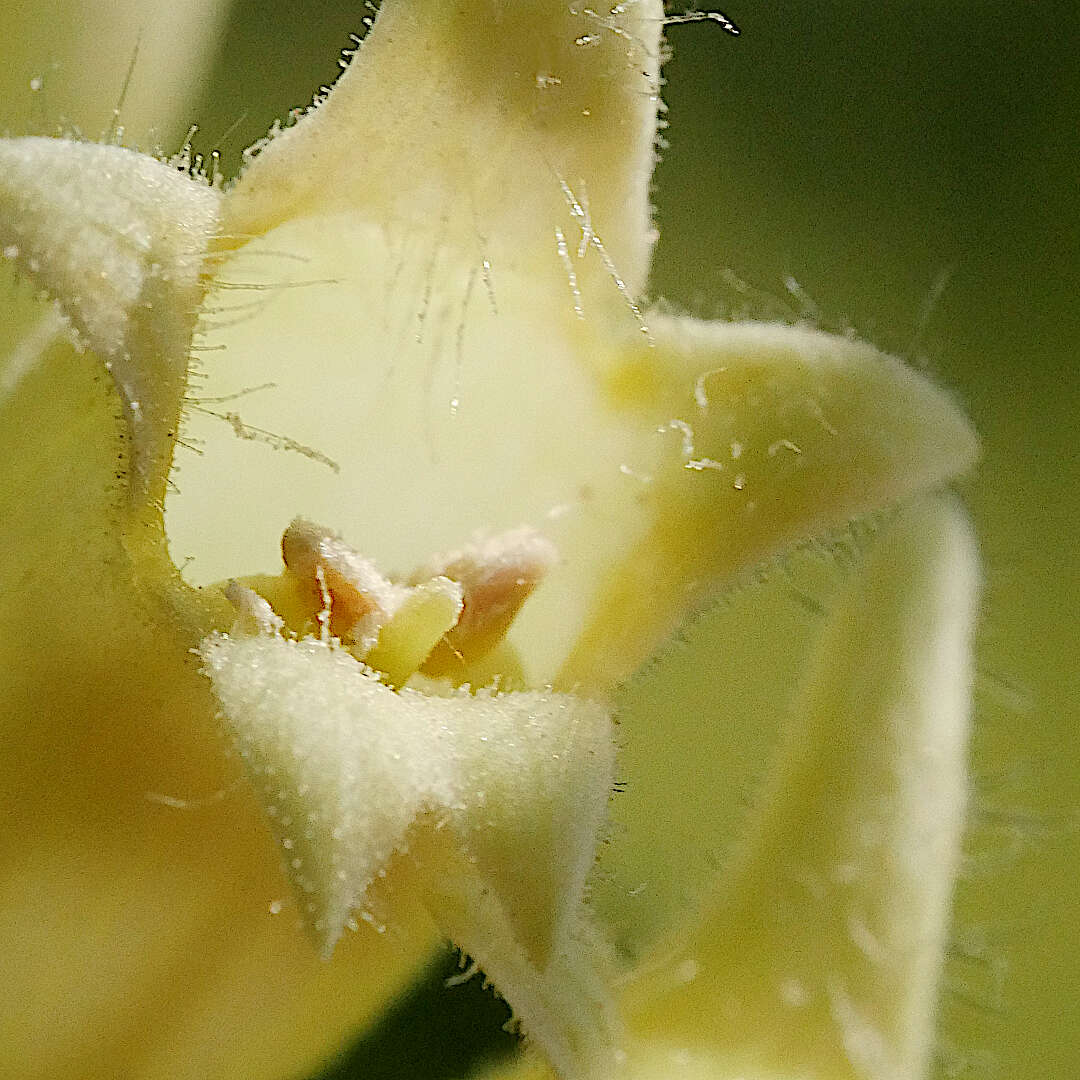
(445, 337)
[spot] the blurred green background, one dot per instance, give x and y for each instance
(909, 172)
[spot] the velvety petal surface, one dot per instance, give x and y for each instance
(496, 799)
(112, 70)
(140, 927)
(119, 240)
(759, 436)
(458, 393)
(425, 304)
(140, 887)
(657, 471)
(819, 954)
(496, 127)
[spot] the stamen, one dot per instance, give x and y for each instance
(460, 605)
(253, 611)
(497, 576)
(361, 598)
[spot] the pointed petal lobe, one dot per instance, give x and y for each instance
(135, 889)
(763, 436)
(119, 239)
(498, 800)
(448, 109)
(821, 955)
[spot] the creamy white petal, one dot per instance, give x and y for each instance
(762, 435)
(148, 61)
(821, 954)
(447, 416)
(491, 127)
(119, 239)
(498, 799)
(137, 886)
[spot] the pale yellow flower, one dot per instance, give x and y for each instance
(447, 260)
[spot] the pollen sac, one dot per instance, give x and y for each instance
(425, 616)
(453, 611)
(497, 576)
(358, 599)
